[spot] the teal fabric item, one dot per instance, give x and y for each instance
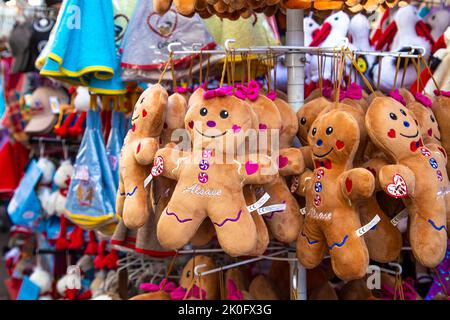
(115, 142)
(24, 209)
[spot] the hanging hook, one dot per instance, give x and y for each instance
(398, 266)
(227, 44)
(196, 46)
(199, 267)
(41, 147)
(421, 49)
(65, 149)
(171, 45)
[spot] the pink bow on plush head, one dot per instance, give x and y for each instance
(423, 99)
(250, 92)
(219, 92)
(181, 90)
(167, 286)
(272, 95)
(395, 94)
(233, 293)
(354, 92)
(441, 93)
(180, 292)
(327, 91)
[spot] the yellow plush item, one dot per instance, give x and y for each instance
(136, 159)
(207, 185)
(415, 176)
(332, 191)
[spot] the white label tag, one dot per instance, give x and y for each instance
(303, 211)
(148, 180)
(272, 208)
(361, 231)
(399, 217)
(54, 104)
(258, 204)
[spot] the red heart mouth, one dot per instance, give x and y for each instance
(340, 144)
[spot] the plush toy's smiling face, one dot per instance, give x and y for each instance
(334, 137)
(212, 120)
(427, 122)
(393, 127)
(306, 116)
(149, 111)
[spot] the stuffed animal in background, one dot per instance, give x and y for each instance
(438, 21)
(332, 191)
(416, 176)
(211, 178)
(136, 159)
(43, 280)
(57, 201)
(441, 110)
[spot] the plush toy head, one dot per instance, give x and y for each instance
(330, 139)
(42, 279)
(208, 283)
(63, 174)
(82, 99)
(176, 111)
(48, 170)
(393, 128)
(289, 125)
(212, 120)
(427, 122)
(307, 114)
(149, 112)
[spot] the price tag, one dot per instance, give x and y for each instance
(361, 231)
(272, 208)
(258, 204)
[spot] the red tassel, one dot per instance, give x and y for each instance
(87, 295)
(100, 258)
(76, 238)
(71, 294)
(61, 242)
(63, 130)
(110, 261)
(77, 129)
(91, 248)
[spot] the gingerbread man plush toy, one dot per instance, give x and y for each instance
(332, 191)
(416, 176)
(136, 158)
(211, 177)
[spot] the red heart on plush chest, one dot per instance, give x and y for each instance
(163, 26)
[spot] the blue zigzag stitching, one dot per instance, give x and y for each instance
(435, 226)
(129, 194)
(307, 239)
(337, 244)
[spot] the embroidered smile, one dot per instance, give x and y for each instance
(413, 136)
(323, 155)
(135, 118)
(211, 136)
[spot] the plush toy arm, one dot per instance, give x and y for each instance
(290, 162)
(357, 184)
(259, 169)
(307, 157)
(145, 151)
(172, 162)
(304, 182)
(397, 180)
(374, 165)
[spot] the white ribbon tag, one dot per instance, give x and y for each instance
(148, 180)
(399, 217)
(258, 204)
(272, 208)
(361, 231)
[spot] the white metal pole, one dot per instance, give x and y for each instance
(296, 86)
(295, 61)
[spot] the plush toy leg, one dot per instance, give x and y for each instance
(428, 238)
(234, 225)
(178, 223)
(311, 245)
(204, 233)
(135, 206)
(120, 198)
(349, 255)
(384, 242)
(284, 225)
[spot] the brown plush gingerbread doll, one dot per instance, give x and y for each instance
(208, 283)
(427, 122)
(211, 177)
(136, 159)
(441, 110)
(332, 191)
(416, 176)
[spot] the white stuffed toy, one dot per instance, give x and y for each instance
(57, 200)
(441, 74)
(438, 21)
(43, 280)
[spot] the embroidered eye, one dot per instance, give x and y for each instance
(403, 112)
(224, 114)
(393, 116)
(142, 100)
(329, 130)
(303, 121)
(313, 132)
(336, 18)
(432, 119)
(188, 274)
(203, 112)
